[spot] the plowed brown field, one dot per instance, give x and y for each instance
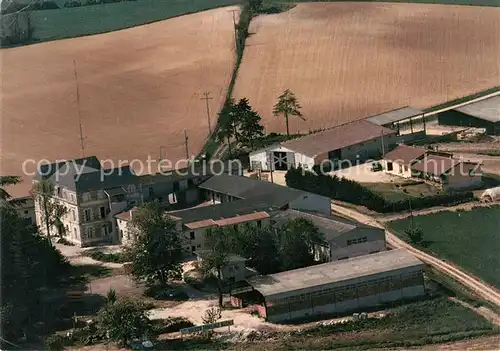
(139, 89)
(347, 61)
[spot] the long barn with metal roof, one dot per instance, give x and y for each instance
(340, 286)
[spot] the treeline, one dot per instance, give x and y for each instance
(76, 3)
(347, 190)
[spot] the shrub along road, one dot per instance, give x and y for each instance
(483, 290)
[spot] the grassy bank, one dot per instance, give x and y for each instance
(86, 20)
(467, 238)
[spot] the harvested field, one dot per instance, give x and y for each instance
(347, 61)
(139, 89)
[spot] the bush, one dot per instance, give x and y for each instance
(117, 257)
(376, 167)
(56, 342)
(159, 292)
(170, 325)
(64, 241)
(45, 5)
(350, 191)
(72, 3)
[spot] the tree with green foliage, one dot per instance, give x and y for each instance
(297, 240)
(29, 264)
(255, 5)
(42, 192)
(124, 320)
(219, 243)
(415, 235)
(248, 122)
(226, 124)
(59, 211)
(156, 249)
(288, 105)
(259, 246)
(4, 182)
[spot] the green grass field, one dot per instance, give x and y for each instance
(392, 192)
(85, 20)
(468, 238)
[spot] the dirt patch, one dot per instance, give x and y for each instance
(140, 88)
(347, 61)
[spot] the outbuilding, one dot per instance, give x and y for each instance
(350, 142)
(340, 287)
(406, 120)
(482, 114)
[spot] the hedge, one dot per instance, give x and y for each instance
(347, 190)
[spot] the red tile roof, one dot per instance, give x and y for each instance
(242, 219)
(201, 224)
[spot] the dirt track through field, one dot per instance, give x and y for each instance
(483, 290)
(347, 61)
(139, 89)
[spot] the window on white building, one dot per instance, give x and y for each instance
(73, 215)
(102, 211)
(87, 213)
(90, 233)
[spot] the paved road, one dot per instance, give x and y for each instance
(484, 290)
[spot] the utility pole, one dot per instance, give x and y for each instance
(235, 33)
(411, 215)
(383, 146)
(186, 142)
(271, 166)
(82, 139)
(206, 98)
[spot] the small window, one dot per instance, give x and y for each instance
(198, 246)
(193, 248)
(121, 233)
(87, 214)
(102, 211)
(105, 230)
(26, 212)
(191, 235)
(75, 233)
(73, 215)
(151, 191)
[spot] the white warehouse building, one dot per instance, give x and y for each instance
(358, 140)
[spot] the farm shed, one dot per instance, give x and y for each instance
(406, 120)
(341, 286)
(481, 114)
(358, 140)
(399, 160)
(343, 238)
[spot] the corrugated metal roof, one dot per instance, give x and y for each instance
(488, 109)
(405, 154)
(275, 286)
(335, 138)
(394, 116)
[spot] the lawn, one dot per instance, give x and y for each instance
(85, 20)
(468, 238)
(396, 192)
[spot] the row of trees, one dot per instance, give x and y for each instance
(238, 121)
(30, 265)
(351, 191)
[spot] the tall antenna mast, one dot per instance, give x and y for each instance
(186, 144)
(82, 138)
(206, 98)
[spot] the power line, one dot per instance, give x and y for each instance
(206, 98)
(82, 138)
